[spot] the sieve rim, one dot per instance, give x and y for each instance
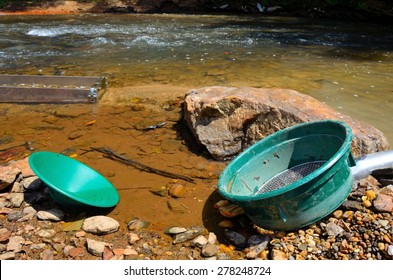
(342, 151)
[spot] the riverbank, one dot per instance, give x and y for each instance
(377, 11)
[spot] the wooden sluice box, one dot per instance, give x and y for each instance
(51, 89)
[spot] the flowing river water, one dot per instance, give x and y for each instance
(348, 65)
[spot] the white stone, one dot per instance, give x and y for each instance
(199, 241)
(100, 225)
(32, 183)
(54, 214)
(95, 247)
(133, 238)
(390, 250)
(29, 210)
(46, 233)
(212, 238)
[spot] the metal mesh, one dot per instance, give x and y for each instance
(289, 176)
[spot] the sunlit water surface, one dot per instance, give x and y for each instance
(348, 65)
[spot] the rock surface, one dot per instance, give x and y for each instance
(227, 120)
(100, 225)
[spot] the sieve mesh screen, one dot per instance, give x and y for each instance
(289, 176)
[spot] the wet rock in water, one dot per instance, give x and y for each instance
(137, 224)
(231, 210)
(226, 120)
(100, 225)
(188, 235)
(177, 190)
(236, 239)
(176, 206)
(221, 203)
(160, 191)
(175, 230)
(74, 135)
(55, 215)
(226, 224)
(8, 175)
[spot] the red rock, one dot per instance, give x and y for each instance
(77, 252)
(108, 254)
(383, 203)
(23, 166)
(118, 251)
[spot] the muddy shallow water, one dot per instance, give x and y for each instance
(346, 64)
(73, 129)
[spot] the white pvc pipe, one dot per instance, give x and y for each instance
(367, 164)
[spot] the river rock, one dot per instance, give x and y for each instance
(390, 250)
(209, 250)
(55, 215)
(189, 234)
(32, 183)
(16, 199)
(278, 255)
(333, 229)
(95, 247)
(46, 233)
(4, 234)
(15, 244)
(8, 174)
(24, 166)
(100, 225)
(383, 203)
(199, 241)
(226, 120)
(7, 256)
